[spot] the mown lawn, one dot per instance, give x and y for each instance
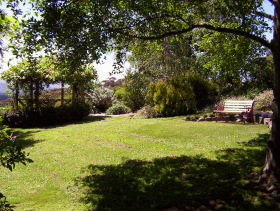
(131, 164)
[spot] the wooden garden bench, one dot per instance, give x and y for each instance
(236, 107)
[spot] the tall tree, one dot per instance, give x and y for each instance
(153, 20)
(118, 21)
(226, 56)
(160, 60)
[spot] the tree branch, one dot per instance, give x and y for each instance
(274, 2)
(210, 27)
(263, 14)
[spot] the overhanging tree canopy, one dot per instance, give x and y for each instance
(82, 22)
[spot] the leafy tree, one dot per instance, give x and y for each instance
(81, 82)
(7, 24)
(112, 82)
(30, 77)
(160, 60)
(134, 91)
(80, 22)
(259, 74)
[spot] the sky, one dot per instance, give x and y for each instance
(106, 67)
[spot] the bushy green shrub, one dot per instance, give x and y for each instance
(182, 94)
(205, 90)
(102, 98)
(117, 108)
(264, 101)
(252, 93)
(46, 116)
(175, 97)
(121, 95)
(146, 112)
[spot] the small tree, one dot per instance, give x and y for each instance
(134, 91)
(81, 82)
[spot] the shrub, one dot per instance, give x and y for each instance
(173, 98)
(117, 108)
(264, 100)
(46, 116)
(205, 90)
(252, 93)
(102, 98)
(146, 112)
(182, 94)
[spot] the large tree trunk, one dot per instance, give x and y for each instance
(271, 169)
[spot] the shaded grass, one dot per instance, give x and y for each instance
(136, 164)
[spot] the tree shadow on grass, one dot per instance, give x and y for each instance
(24, 138)
(90, 118)
(187, 183)
(87, 119)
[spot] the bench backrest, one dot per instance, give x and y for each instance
(238, 106)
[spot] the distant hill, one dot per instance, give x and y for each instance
(3, 86)
(3, 96)
(51, 93)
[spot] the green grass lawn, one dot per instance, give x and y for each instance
(135, 164)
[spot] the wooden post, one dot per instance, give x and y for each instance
(16, 96)
(37, 94)
(31, 96)
(62, 93)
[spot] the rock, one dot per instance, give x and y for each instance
(187, 119)
(209, 119)
(267, 121)
(239, 120)
(201, 119)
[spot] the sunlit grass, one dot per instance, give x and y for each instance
(61, 153)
